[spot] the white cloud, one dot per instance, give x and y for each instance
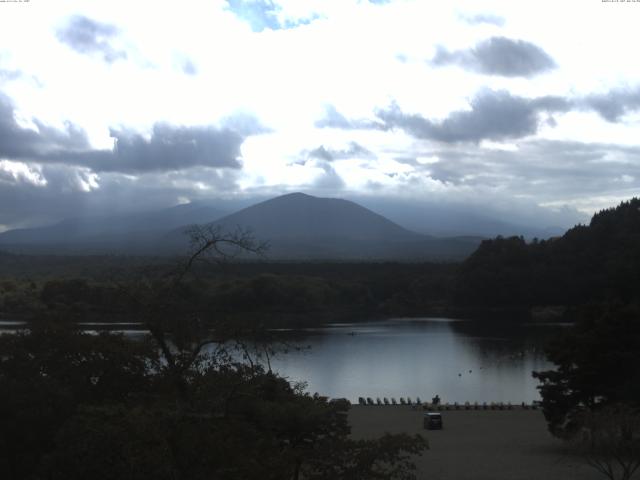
(196, 63)
(21, 172)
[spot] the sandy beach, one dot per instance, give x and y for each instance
(478, 444)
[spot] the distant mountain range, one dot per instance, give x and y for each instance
(452, 220)
(134, 233)
(297, 227)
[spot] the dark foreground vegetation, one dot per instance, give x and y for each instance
(74, 406)
(197, 399)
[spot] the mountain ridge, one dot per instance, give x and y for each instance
(297, 225)
(300, 226)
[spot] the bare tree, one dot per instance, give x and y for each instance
(211, 242)
(610, 441)
(168, 306)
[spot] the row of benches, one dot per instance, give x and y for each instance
(448, 406)
(482, 406)
(385, 401)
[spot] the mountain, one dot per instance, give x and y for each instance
(300, 226)
(304, 216)
(296, 226)
(114, 234)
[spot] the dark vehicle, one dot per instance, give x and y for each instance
(433, 421)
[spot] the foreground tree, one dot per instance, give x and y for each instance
(592, 398)
(195, 403)
(610, 441)
(596, 365)
(48, 374)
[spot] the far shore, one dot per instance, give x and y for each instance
(478, 444)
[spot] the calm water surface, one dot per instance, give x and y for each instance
(458, 360)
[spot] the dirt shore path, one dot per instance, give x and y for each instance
(478, 445)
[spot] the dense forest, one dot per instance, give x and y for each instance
(589, 263)
(279, 293)
(595, 262)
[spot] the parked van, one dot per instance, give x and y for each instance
(433, 421)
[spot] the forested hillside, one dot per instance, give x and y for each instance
(595, 262)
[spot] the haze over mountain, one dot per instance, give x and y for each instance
(305, 216)
(134, 233)
(300, 226)
(466, 220)
(297, 226)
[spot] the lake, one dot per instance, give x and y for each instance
(458, 360)
(474, 361)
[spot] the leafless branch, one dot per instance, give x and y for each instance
(211, 240)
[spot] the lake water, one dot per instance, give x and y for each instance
(458, 360)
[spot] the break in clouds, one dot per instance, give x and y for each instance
(266, 15)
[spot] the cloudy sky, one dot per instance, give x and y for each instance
(510, 105)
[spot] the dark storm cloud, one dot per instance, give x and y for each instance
(494, 115)
(171, 148)
(17, 142)
(539, 168)
(334, 119)
(499, 56)
(23, 203)
(353, 150)
(483, 18)
(615, 104)
(90, 37)
(264, 15)
(168, 148)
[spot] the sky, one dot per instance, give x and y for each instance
(523, 109)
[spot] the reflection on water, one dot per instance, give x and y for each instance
(11, 327)
(10, 323)
(130, 329)
(458, 360)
